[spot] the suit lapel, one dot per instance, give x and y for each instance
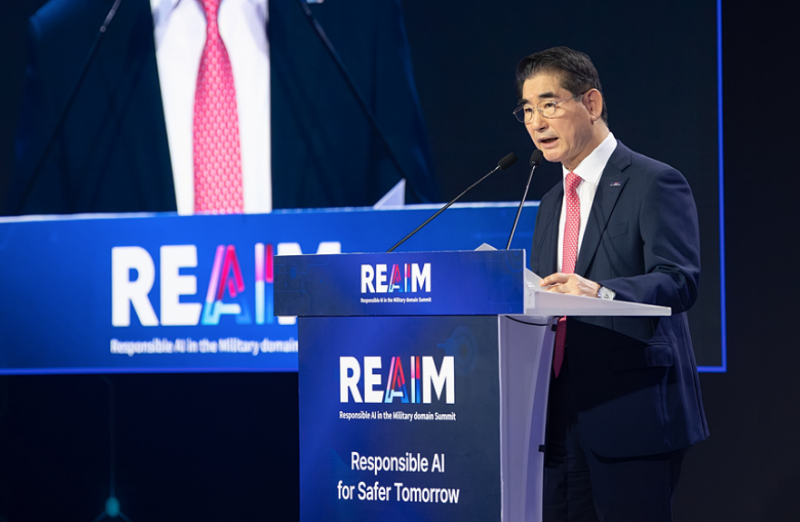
(611, 185)
(129, 131)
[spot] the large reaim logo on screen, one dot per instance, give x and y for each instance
(133, 275)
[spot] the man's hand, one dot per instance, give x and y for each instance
(572, 284)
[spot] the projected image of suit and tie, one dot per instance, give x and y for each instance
(164, 155)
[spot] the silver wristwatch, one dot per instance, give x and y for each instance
(606, 293)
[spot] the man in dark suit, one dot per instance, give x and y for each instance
(625, 398)
(112, 153)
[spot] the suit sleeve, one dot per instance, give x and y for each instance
(670, 236)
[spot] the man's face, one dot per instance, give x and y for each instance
(564, 138)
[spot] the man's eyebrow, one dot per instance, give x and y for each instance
(544, 95)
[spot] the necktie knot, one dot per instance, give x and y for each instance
(572, 182)
(210, 8)
(216, 146)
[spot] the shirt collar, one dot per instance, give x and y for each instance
(162, 8)
(592, 166)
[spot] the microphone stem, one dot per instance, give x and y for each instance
(519, 210)
(443, 209)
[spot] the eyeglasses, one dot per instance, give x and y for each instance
(547, 108)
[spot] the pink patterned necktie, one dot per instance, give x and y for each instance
(572, 229)
(217, 157)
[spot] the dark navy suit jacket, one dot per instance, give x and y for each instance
(112, 153)
(633, 380)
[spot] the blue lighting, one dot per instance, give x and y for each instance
(723, 367)
(112, 507)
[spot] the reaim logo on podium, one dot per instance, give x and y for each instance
(399, 277)
(425, 380)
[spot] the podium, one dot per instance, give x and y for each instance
(423, 381)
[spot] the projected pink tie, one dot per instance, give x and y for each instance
(569, 256)
(217, 157)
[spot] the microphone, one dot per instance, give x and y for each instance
(507, 160)
(536, 158)
(65, 110)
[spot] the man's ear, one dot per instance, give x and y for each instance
(593, 101)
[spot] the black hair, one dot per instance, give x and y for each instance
(575, 68)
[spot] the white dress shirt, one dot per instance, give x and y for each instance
(180, 35)
(590, 170)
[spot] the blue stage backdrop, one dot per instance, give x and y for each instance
(165, 293)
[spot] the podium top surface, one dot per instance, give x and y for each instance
(491, 282)
(407, 283)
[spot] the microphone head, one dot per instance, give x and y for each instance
(536, 157)
(508, 160)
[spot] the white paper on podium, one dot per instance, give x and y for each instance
(541, 303)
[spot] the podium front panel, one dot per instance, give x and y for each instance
(416, 395)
